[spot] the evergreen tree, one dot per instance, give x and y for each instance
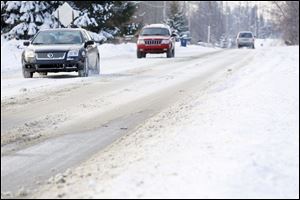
(177, 19)
(22, 19)
(109, 16)
(123, 13)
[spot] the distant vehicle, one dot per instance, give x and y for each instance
(245, 39)
(156, 38)
(61, 50)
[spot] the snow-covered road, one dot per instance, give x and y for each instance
(33, 109)
(51, 124)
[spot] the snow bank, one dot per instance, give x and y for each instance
(11, 56)
(263, 43)
(111, 50)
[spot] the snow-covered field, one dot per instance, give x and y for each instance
(231, 131)
(237, 139)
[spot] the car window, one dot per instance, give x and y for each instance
(245, 35)
(58, 37)
(155, 31)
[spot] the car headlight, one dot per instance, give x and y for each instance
(140, 41)
(29, 54)
(73, 53)
(165, 42)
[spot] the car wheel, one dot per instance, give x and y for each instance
(27, 74)
(139, 54)
(173, 53)
(169, 53)
(97, 68)
(85, 71)
(144, 55)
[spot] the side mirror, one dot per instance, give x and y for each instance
(88, 43)
(26, 43)
(174, 35)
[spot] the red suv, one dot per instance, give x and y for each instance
(156, 38)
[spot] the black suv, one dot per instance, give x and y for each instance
(61, 50)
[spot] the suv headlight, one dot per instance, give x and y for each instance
(140, 41)
(165, 42)
(29, 54)
(73, 53)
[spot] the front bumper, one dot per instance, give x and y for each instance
(161, 48)
(65, 65)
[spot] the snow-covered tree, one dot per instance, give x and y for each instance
(22, 19)
(2, 16)
(109, 16)
(207, 22)
(177, 19)
(287, 15)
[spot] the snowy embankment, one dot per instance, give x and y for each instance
(114, 59)
(238, 139)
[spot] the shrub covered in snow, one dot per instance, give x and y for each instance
(22, 19)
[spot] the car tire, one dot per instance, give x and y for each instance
(85, 71)
(169, 53)
(27, 74)
(97, 67)
(173, 53)
(139, 54)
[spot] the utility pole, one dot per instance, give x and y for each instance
(189, 15)
(209, 22)
(208, 34)
(164, 11)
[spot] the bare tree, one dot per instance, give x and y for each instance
(287, 13)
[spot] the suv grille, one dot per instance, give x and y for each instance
(152, 42)
(50, 55)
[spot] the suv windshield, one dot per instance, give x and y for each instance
(58, 37)
(245, 35)
(155, 31)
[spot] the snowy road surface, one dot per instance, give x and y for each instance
(54, 123)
